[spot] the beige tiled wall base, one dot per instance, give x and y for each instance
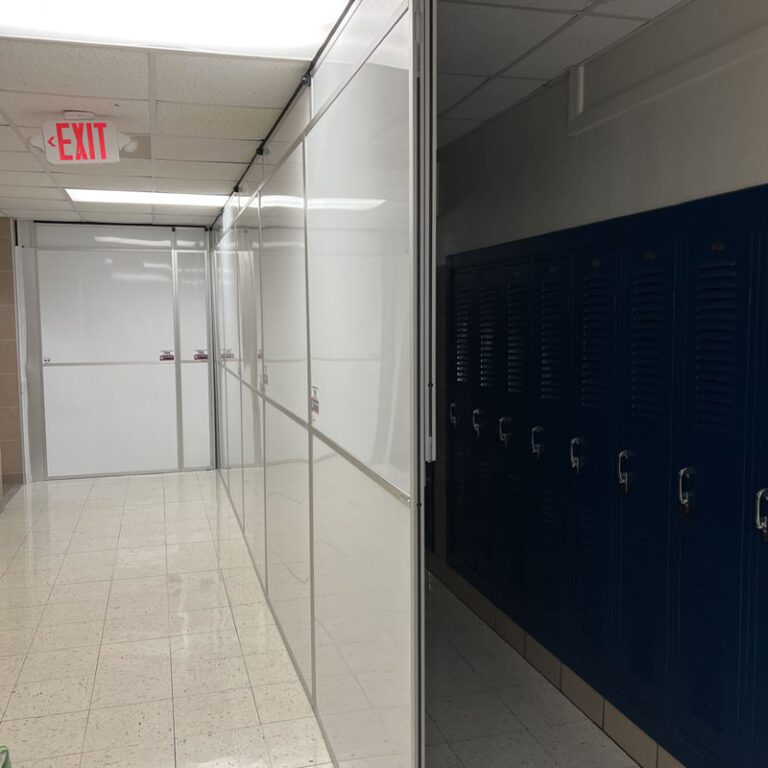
(583, 695)
(632, 739)
(667, 761)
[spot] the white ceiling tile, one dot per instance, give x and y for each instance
(22, 179)
(188, 221)
(544, 5)
(582, 39)
(18, 161)
(214, 150)
(119, 218)
(9, 140)
(39, 193)
(449, 130)
(481, 40)
(34, 204)
(494, 97)
(641, 9)
(127, 167)
(181, 169)
(87, 70)
(175, 119)
(86, 181)
(33, 109)
(23, 213)
(238, 82)
(107, 207)
(199, 186)
(451, 88)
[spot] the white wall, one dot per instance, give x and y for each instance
(677, 112)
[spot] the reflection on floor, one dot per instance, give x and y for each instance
(487, 707)
(133, 632)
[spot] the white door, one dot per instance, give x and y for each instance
(124, 331)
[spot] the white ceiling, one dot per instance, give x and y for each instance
(492, 54)
(198, 117)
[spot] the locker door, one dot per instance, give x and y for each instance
(484, 420)
(462, 392)
(711, 456)
(513, 444)
(592, 455)
(644, 511)
(548, 433)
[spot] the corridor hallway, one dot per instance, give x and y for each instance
(134, 632)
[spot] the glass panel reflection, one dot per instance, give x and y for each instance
(288, 563)
(253, 478)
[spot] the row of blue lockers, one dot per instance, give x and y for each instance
(608, 455)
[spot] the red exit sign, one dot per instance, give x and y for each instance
(80, 142)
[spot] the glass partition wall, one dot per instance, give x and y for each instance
(315, 293)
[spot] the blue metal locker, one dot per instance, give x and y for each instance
(513, 445)
(641, 465)
(548, 432)
(709, 486)
(592, 459)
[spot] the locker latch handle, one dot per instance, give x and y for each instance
(761, 521)
(505, 431)
(684, 493)
(478, 418)
(537, 448)
(624, 456)
(576, 459)
(452, 414)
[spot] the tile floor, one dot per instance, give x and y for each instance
(133, 632)
(487, 707)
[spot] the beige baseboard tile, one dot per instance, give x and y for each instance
(583, 695)
(547, 663)
(632, 739)
(511, 631)
(667, 761)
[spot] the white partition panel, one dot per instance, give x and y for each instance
(105, 306)
(254, 521)
(360, 263)
(193, 304)
(283, 274)
(288, 541)
(110, 419)
(196, 416)
(234, 442)
(362, 612)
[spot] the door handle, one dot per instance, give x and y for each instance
(200, 354)
(166, 354)
(537, 448)
(576, 442)
(478, 419)
(623, 473)
(684, 495)
(504, 432)
(452, 414)
(761, 521)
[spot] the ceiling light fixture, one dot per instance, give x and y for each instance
(145, 198)
(272, 28)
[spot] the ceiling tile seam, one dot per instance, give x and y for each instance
(37, 94)
(508, 7)
(152, 100)
(35, 156)
(497, 75)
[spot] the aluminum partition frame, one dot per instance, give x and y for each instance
(28, 317)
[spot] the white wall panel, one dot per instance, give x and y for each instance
(110, 419)
(195, 403)
(193, 306)
(254, 520)
(360, 262)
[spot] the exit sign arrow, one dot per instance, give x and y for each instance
(80, 142)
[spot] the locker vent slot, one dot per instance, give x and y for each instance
(716, 346)
(553, 326)
(487, 336)
(463, 306)
(595, 353)
(516, 318)
(647, 345)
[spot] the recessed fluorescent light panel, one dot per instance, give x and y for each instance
(272, 28)
(145, 198)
